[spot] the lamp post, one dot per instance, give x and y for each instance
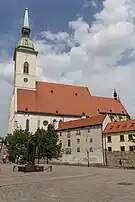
(88, 157)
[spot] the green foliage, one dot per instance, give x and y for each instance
(41, 144)
(17, 144)
(49, 144)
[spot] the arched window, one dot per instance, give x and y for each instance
(55, 124)
(27, 124)
(26, 68)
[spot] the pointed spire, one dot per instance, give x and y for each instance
(118, 98)
(26, 19)
(26, 26)
(115, 96)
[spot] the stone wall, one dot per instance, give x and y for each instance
(127, 158)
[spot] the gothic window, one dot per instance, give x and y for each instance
(26, 68)
(27, 124)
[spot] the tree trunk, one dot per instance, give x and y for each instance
(17, 160)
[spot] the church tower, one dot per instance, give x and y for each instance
(25, 59)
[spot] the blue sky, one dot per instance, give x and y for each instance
(83, 42)
(44, 14)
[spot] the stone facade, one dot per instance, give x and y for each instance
(127, 159)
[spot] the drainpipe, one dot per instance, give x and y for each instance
(88, 157)
(105, 152)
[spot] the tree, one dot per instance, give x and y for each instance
(38, 142)
(49, 146)
(17, 144)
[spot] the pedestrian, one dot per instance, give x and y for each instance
(4, 158)
(7, 156)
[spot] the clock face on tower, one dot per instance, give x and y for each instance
(25, 80)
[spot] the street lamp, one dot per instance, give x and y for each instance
(88, 157)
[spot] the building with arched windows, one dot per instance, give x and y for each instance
(35, 104)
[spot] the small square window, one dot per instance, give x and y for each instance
(130, 137)
(131, 148)
(91, 140)
(109, 149)
(122, 148)
(78, 141)
(109, 139)
(121, 138)
(91, 149)
(68, 134)
(78, 149)
(68, 151)
(61, 142)
(78, 132)
(69, 143)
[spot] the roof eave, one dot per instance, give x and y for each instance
(78, 127)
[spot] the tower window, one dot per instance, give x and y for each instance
(26, 68)
(26, 42)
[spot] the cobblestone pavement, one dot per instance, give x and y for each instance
(67, 184)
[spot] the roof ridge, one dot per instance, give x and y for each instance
(100, 115)
(96, 96)
(61, 84)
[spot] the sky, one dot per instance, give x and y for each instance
(81, 42)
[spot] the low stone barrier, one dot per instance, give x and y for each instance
(121, 159)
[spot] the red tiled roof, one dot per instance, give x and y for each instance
(56, 99)
(108, 105)
(26, 99)
(91, 121)
(121, 126)
(64, 99)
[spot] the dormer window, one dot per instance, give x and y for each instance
(118, 126)
(26, 68)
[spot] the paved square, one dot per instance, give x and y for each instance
(68, 184)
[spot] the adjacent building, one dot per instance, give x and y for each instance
(35, 104)
(118, 136)
(118, 143)
(82, 140)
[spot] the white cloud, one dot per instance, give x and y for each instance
(101, 56)
(97, 57)
(90, 3)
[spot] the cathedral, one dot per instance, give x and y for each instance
(35, 104)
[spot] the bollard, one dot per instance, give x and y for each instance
(50, 168)
(14, 168)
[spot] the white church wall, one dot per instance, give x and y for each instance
(36, 121)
